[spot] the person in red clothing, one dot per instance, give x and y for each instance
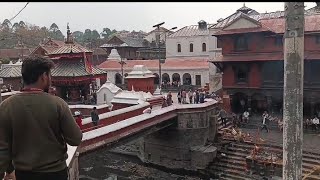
(78, 117)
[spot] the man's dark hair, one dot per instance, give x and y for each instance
(94, 108)
(33, 67)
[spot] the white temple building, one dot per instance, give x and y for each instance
(106, 93)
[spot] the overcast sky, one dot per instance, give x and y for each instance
(127, 15)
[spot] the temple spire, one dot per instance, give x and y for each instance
(69, 39)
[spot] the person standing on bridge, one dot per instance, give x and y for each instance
(35, 127)
(95, 116)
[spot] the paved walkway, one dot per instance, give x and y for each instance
(311, 142)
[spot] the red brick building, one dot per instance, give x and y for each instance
(141, 79)
(252, 60)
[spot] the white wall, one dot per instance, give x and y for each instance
(172, 47)
(109, 97)
(193, 72)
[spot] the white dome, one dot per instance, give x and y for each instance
(114, 55)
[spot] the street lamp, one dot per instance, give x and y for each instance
(158, 42)
(165, 37)
(121, 62)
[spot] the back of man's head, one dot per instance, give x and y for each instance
(33, 67)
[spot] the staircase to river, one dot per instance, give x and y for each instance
(231, 159)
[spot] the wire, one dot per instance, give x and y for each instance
(19, 12)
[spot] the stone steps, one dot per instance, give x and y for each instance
(232, 166)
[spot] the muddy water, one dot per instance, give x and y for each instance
(112, 165)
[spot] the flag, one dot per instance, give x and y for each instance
(87, 63)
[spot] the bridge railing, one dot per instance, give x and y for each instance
(113, 132)
(72, 162)
(114, 116)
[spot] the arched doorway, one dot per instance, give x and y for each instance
(259, 103)
(239, 102)
(176, 77)
(118, 79)
(156, 78)
(165, 78)
(186, 79)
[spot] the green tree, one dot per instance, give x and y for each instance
(5, 60)
(54, 27)
(6, 23)
(78, 36)
(95, 35)
(87, 35)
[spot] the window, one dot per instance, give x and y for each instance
(179, 47)
(198, 80)
(241, 43)
(318, 39)
(278, 41)
(219, 45)
(204, 47)
(191, 47)
(242, 74)
(104, 97)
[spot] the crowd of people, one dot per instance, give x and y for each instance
(165, 84)
(195, 97)
(6, 88)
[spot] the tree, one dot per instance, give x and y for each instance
(57, 35)
(22, 24)
(78, 36)
(54, 27)
(5, 60)
(6, 23)
(87, 35)
(95, 35)
(15, 26)
(106, 33)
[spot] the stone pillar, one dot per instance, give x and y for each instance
(182, 145)
(293, 90)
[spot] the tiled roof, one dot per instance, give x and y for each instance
(239, 31)
(154, 64)
(192, 30)
(70, 48)
(127, 41)
(162, 29)
(274, 22)
(14, 53)
(226, 21)
(133, 42)
(99, 51)
(314, 10)
(12, 71)
(58, 42)
(61, 69)
(70, 69)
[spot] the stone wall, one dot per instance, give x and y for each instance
(182, 145)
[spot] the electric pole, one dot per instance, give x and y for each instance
(293, 90)
(158, 42)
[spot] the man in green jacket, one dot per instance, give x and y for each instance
(35, 127)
